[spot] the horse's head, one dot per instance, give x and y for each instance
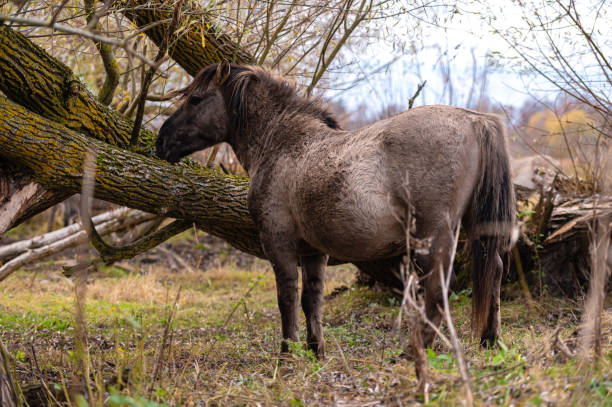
(202, 120)
(237, 104)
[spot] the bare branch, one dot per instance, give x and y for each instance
(71, 240)
(82, 33)
(148, 78)
(416, 94)
(106, 92)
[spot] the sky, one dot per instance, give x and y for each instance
(454, 37)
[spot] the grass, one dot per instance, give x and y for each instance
(224, 340)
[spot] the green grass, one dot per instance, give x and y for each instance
(225, 335)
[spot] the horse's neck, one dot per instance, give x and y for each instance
(242, 153)
(261, 144)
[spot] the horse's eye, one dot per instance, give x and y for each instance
(194, 100)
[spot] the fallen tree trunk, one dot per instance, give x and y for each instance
(561, 262)
(55, 157)
(55, 242)
(14, 249)
(44, 85)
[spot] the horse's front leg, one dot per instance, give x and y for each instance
(313, 280)
(284, 262)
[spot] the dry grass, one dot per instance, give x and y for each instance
(223, 344)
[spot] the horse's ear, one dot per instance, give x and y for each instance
(222, 73)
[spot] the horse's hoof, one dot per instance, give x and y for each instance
(284, 348)
(318, 349)
(488, 341)
(320, 352)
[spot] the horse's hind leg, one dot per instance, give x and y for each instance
(490, 333)
(313, 279)
(439, 258)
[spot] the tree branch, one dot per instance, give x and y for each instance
(81, 33)
(106, 92)
(110, 254)
(148, 77)
(195, 47)
(55, 157)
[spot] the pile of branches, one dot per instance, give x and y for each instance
(555, 253)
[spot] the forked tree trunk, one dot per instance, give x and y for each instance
(45, 86)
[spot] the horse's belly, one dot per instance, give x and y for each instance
(344, 204)
(354, 233)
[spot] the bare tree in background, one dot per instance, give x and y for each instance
(567, 44)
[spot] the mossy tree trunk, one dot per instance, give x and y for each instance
(45, 86)
(55, 159)
(202, 44)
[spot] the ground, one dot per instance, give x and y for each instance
(209, 334)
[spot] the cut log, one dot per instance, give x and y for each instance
(565, 253)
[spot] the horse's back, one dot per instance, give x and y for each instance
(435, 152)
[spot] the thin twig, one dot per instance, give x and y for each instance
(148, 78)
(164, 344)
(457, 348)
(416, 94)
(82, 33)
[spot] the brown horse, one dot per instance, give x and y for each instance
(318, 191)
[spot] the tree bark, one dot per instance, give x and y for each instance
(44, 85)
(202, 44)
(55, 155)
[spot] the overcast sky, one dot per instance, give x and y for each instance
(451, 38)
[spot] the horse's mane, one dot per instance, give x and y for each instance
(233, 81)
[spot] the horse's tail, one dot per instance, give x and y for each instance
(491, 217)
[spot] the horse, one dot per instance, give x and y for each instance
(317, 190)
